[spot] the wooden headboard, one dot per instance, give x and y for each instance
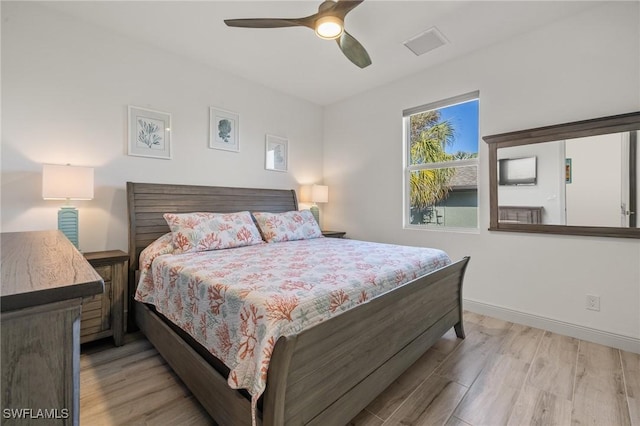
(147, 202)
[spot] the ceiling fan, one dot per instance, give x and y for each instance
(328, 24)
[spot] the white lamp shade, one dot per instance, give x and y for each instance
(319, 193)
(67, 182)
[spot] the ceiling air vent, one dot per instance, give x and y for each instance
(426, 41)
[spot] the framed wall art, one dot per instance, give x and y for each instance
(149, 133)
(224, 130)
(276, 153)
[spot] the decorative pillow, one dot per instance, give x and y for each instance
(211, 231)
(289, 226)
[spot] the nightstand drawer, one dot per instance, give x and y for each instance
(94, 303)
(96, 314)
(103, 314)
(104, 272)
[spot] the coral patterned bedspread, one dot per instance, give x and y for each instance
(237, 302)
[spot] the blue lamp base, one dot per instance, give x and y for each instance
(68, 223)
(316, 213)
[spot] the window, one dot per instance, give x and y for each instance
(441, 164)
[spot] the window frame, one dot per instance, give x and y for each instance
(408, 168)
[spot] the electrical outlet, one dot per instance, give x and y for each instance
(593, 302)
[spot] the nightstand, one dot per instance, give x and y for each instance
(333, 234)
(103, 315)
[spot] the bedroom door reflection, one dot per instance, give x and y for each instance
(602, 189)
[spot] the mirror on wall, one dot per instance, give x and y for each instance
(576, 178)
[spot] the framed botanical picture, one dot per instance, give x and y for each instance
(149, 133)
(223, 130)
(276, 153)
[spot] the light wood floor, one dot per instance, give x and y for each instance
(501, 374)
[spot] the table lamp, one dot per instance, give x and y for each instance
(67, 183)
(319, 194)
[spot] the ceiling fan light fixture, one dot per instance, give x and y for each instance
(328, 24)
(329, 27)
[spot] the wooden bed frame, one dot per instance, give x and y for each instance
(326, 374)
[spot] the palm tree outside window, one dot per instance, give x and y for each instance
(441, 164)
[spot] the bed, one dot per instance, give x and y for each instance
(325, 374)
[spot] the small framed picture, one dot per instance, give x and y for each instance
(223, 130)
(568, 178)
(149, 133)
(276, 155)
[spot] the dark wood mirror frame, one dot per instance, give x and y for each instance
(578, 129)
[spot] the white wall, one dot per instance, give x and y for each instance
(579, 68)
(65, 90)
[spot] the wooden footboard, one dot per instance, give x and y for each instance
(330, 372)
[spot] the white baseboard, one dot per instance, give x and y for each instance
(606, 338)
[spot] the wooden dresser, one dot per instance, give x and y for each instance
(44, 278)
(520, 214)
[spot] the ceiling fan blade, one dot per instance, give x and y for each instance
(353, 50)
(269, 22)
(343, 7)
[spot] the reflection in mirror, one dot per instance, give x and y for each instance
(576, 182)
(577, 178)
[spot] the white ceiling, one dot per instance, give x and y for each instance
(294, 60)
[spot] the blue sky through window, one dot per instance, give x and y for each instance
(464, 119)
